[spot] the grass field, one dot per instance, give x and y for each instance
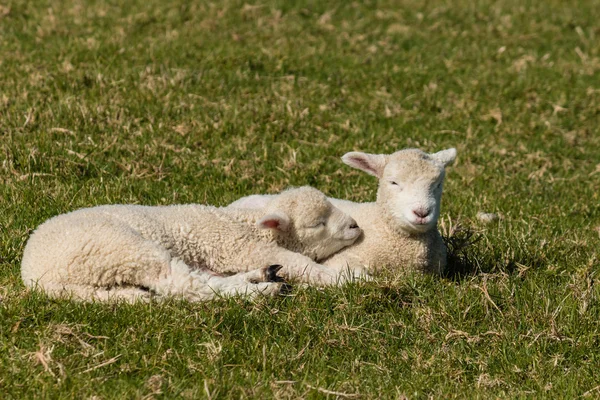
(161, 102)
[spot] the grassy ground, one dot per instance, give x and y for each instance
(160, 102)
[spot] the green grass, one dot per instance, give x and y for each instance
(160, 102)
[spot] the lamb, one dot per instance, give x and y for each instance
(128, 251)
(400, 228)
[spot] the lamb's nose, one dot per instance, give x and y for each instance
(422, 212)
(353, 225)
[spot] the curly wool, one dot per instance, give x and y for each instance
(120, 250)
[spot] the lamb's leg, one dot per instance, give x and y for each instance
(169, 276)
(347, 264)
(90, 293)
(335, 271)
(195, 286)
(200, 285)
(302, 268)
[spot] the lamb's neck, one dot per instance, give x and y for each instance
(248, 215)
(289, 240)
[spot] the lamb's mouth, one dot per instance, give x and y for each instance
(420, 226)
(351, 235)
(421, 222)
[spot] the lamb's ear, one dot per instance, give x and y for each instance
(372, 164)
(276, 220)
(445, 157)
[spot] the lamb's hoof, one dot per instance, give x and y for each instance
(271, 273)
(266, 289)
(286, 289)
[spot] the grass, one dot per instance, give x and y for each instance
(155, 102)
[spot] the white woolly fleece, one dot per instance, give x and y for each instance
(122, 251)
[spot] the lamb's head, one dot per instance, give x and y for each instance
(304, 221)
(410, 185)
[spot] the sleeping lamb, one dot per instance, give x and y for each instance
(400, 228)
(128, 251)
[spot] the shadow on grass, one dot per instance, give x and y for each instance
(461, 259)
(465, 259)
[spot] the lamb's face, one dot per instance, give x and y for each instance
(410, 185)
(410, 190)
(314, 226)
(322, 229)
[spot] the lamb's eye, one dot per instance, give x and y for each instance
(318, 224)
(398, 186)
